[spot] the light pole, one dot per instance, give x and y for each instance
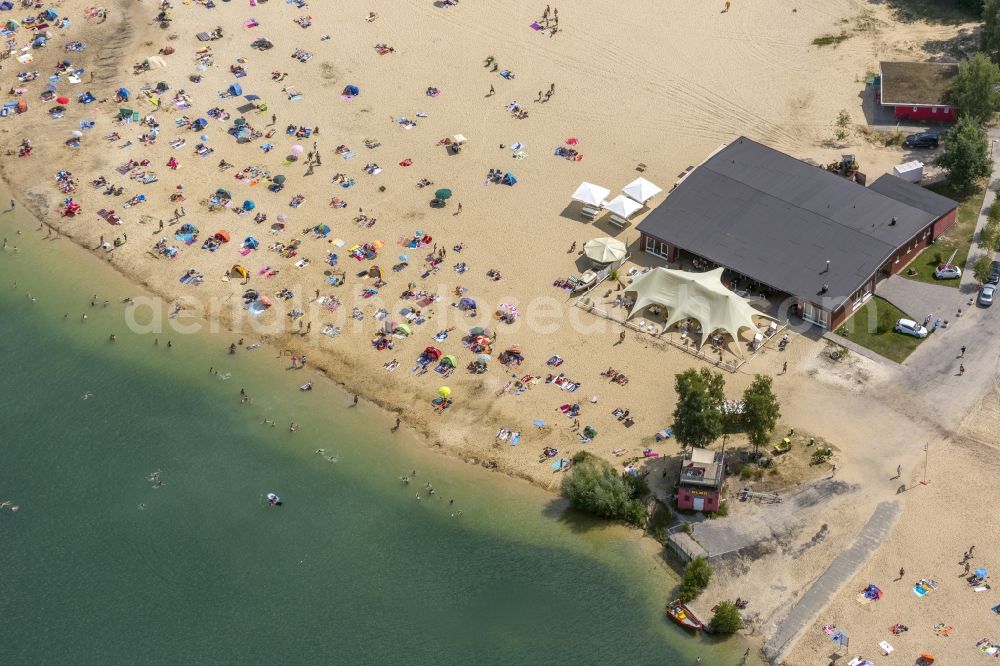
(925, 481)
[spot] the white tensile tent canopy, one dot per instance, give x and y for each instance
(698, 296)
(605, 250)
(641, 190)
(622, 206)
(590, 194)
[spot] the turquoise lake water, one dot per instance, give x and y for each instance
(101, 566)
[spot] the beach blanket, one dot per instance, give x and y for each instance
(888, 649)
(923, 587)
(942, 630)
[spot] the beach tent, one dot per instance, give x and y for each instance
(221, 236)
(508, 179)
(251, 242)
(224, 193)
(622, 206)
(466, 304)
(605, 250)
(698, 296)
(641, 190)
(235, 89)
(590, 194)
(450, 360)
(123, 94)
(402, 329)
(352, 90)
(279, 180)
(238, 270)
(322, 229)
(249, 205)
(432, 353)
(199, 124)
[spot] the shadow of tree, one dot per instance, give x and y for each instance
(934, 11)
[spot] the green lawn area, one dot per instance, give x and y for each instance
(872, 327)
(958, 237)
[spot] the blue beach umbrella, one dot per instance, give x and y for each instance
(204, 137)
(249, 205)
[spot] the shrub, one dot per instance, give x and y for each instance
(594, 486)
(697, 576)
(727, 618)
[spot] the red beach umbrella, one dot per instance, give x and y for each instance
(62, 100)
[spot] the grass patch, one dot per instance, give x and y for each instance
(959, 237)
(872, 328)
(831, 40)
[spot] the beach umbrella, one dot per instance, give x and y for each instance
(240, 122)
(279, 180)
(469, 304)
(982, 572)
(641, 190)
(323, 229)
(352, 90)
(249, 205)
(444, 392)
(124, 93)
(77, 133)
(204, 137)
(590, 194)
(478, 330)
(404, 257)
(483, 358)
(62, 100)
(572, 141)
(297, 150)
(443, 193)
(605, 250)
(538, 423)
(282, 217)
(403, 329)
(450, 360)
(622, 206)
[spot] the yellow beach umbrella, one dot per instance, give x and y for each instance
(444, 392)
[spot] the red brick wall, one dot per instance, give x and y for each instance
(944, 222)
(926, 113)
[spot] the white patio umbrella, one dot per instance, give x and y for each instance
(641, 190)
(605, 250)
(590, 194)
(622, 206)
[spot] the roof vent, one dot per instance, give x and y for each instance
(893, 222)
(825, 289)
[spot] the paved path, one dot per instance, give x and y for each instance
(831, 580)
(969, 284)
(919, 299)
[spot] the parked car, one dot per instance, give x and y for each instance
(994, 273)
(910, 327)
(947, 272)
(921, 140)
(986, 295)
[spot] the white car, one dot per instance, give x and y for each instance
(947, 272)
(910, 327)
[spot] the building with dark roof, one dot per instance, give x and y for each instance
(795, 228)
(917, 90)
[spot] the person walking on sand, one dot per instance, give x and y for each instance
(962, 355)
(901, 573)
(493, 91)
(961, 369)
(727, 7)
(784, 367)
(621, 337)
(13, 204)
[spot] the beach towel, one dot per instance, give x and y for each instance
(941, 630)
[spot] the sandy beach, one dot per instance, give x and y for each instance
(660, 85)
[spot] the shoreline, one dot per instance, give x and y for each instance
(525, 240)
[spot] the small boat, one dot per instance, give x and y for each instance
(273, 500)
(306, 387)
(683, 616)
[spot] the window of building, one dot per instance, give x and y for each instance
(933, 109)
(815, 314)
(657, 247)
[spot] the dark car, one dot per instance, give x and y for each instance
(994, 273)
(921, 140)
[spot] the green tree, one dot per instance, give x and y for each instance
(966, 155)
(990, 37)
(990, 233)
(596, 487)
(727, 618)
(981, 268)
(975, 92)
(698, 414)
(697, 575)
(761, 411)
